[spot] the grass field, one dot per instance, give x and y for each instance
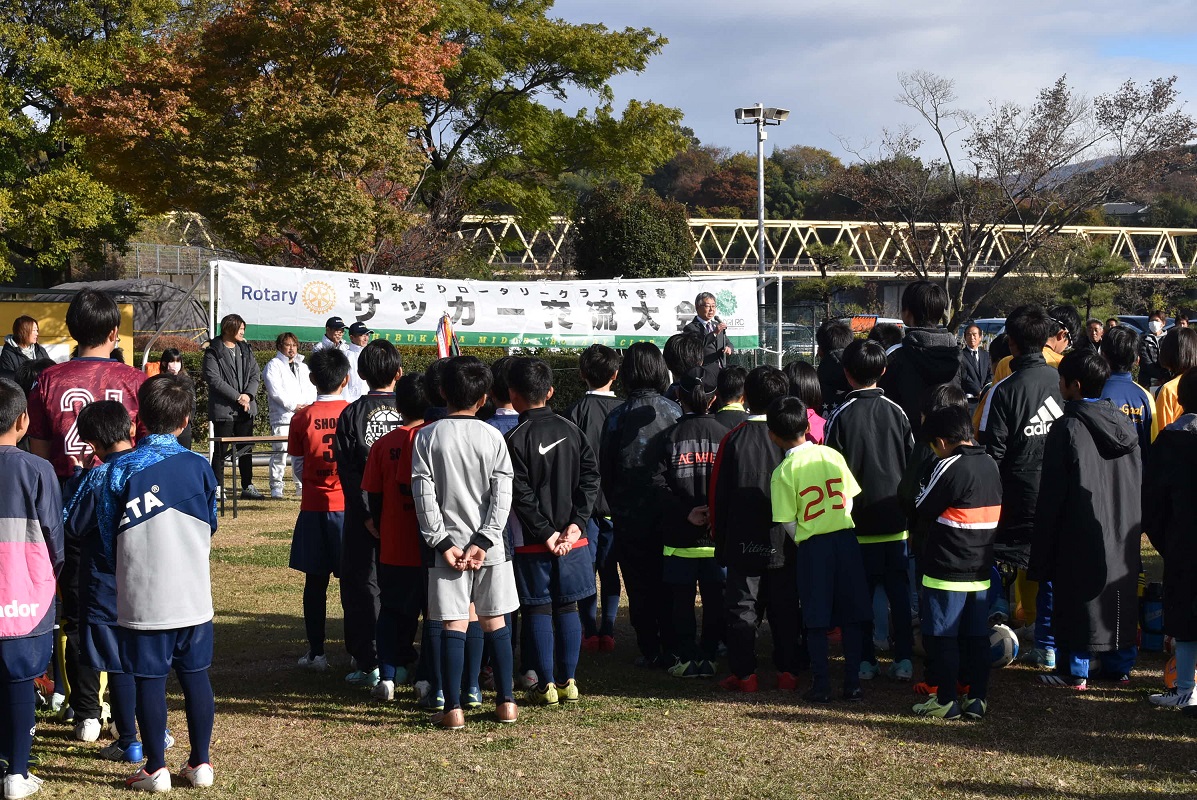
(281, 732)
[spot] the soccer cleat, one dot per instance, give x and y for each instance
(433, 701)
(735, 684)
(383, 690)
(143, 781)
(276, 494)
(974, 707)
(507, 712)
(114, 752)
(706, 669)
(901, 670)
(88, 730)
(868, 670)
(591, 644)
(931, 707)
(528, 680)
(362, 678)
(569, 692)
(1040, 657)
(170, 741)
(473, 698)
(607, 644)
(450, 720)
(544, 697)
(199, 777)
(853, 695)
(685, 669)
(924, 688)
(813, 695)
(786, 682)
(1174, 698)
(314, 663)
(18, 786)
(1061, 682)
(251, 493)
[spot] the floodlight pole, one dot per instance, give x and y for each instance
(761, 136)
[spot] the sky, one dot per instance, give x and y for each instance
(835, 63)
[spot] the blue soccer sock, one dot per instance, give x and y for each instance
(453, 646)
(151, 717)
(539, 622)
(501, 661)
(122, 688)
(200, 706)
(16, 725)
(429, 667)
(475, 649)
(587, 609)
(569, 640)
(315, 610)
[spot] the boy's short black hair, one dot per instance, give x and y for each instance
(999, 347)
(926, 302)
(328, 369)
(730, 383)
(532, 378)
(833, 336)
(787, 418)
(165, 402)
(1087, 367)
(864, 361)
(887, 334)
(30, 370)
(644, 368)
(1069, 319)
(466, 380)
(804, 383)
(943, 396)
(12, 404)
(378, 363)
(1029, 327)
(91, 316)
(598, 365)
(104, 423)
(951, 423)
(410, 398)
(499, 371)
(434, 379)
(683, 352)
(763, 385)
(1186, 392)
(1120, 346)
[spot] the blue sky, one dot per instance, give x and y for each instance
(835, 63)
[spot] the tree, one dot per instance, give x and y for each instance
(287, 126)
(1039, 168)
(827, 258)
(622, 232)
(1095, 274)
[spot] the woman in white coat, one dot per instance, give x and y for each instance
(288, 388)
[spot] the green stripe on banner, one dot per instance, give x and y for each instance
(417, 338)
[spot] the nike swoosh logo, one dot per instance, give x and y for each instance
(543, 449)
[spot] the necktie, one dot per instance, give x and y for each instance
(294, 369)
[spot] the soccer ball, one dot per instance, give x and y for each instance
(1170, 673)
(1003, 646)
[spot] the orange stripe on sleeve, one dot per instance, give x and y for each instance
(983, 514)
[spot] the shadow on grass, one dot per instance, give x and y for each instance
(999, 789)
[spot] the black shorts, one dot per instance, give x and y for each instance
(832, 585)
(543, 578)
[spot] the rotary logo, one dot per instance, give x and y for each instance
(318, 297)
(725, 301)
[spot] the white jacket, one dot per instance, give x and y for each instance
(356, 386)
(285, 389)
(326, 342)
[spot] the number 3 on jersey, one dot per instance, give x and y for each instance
(815, 506)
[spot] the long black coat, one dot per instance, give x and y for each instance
(1170, 518)
(1088, 527)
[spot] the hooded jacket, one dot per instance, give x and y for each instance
(287, 390)
(12, 356)
(926, 358)
(959, 508)
(746, 537)
(1088, 524)
(1170, 518)
(689, 459)
(832, 381)
(230, 373)
(630, 460)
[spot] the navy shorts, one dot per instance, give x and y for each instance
(316, 543)
(543, 578)
(99, 648)
(25, 659)
(403, 590)
(600, 534)
(881, 558)
(152, 654)
(679, 571)
(954, 614)
(832, 585)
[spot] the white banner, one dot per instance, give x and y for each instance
(404, 310)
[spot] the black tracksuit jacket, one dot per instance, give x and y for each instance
(746, 537)
(958, 509)
(690, 450)
(590, 414)
(362, 423)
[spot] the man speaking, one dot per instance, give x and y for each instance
(716, 346)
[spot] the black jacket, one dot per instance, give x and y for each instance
(959, 508)
(731, 417)
(1150, 370)
(630, 462)
(1088, 526)
(873, 434)
(556, 481)
(1015, 420)
(362, 423)
(1170, 518)
(713, 357)
(590, 414)
(926, 358)
(11, 359)
(975, 372)
(220, 371)
(914, 480)
(832, 382)
(746, 537)
(689, 459)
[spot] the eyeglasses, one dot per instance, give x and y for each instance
(1060, 326)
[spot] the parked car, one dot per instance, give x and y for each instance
(1139, 322)
(990, 328)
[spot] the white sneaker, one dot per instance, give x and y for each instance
(422, 688)
(1173, 698)
(56, 702)
(18, 786)
(314, 663)
(144, 781)
(88, 730)
(276, 494)
(200, 776)
(383, 690)
(527, 680)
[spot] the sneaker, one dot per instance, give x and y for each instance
(813, 695)
(219, 494)
(1040, 657)
(473, 698)
(451, 720)
(592, 644)
(569, 692)
(931, 707)
(544, 697)
(114, 752)
(199, 777)
(684, 669)
(421, 688)
(383, 690)
(1122, 680)
(144, 781)
(607, 644)
(251, 493)
(507, 712)
(706, 669)
(1174, 698)
(974, 707)
(433, 701)
(170, 741)
(786, 682)
(362, 678)
(88, 730)
(276, 494)
(57, 701)
(527, 681)
(868, 670)
(17, 786)
(314, 663)
(901, 670)
(1064, 682)
(734, 684)
(853, 695)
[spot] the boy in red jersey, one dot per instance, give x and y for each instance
(316, 543)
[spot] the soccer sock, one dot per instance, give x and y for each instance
(386, 635)
(946, 665)
(475, 648)
(200, 705)
(1186, 663)
(501, 661)
(820, 654)
(122, 688)
(151, 717)
(527, 645)
(976, 664)
(539, 622)
(18, 725)
(741, 648)
(569, 640)
(587, 609)
(853, 640)
(430, 652)
(453, 645)
(315, 609)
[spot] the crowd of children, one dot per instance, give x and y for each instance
(855, 501)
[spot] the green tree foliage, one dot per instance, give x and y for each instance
(621, 232)
(827, 258)
(1094, 275)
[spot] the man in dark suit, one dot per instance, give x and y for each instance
(976, 369)
(715, 345)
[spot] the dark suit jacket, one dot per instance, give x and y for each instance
(713, 357)
(975, 373)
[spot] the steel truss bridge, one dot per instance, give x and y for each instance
(879, 250)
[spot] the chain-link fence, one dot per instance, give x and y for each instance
(799, 323)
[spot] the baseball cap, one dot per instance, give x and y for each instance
(358, 329)
(336, 323)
